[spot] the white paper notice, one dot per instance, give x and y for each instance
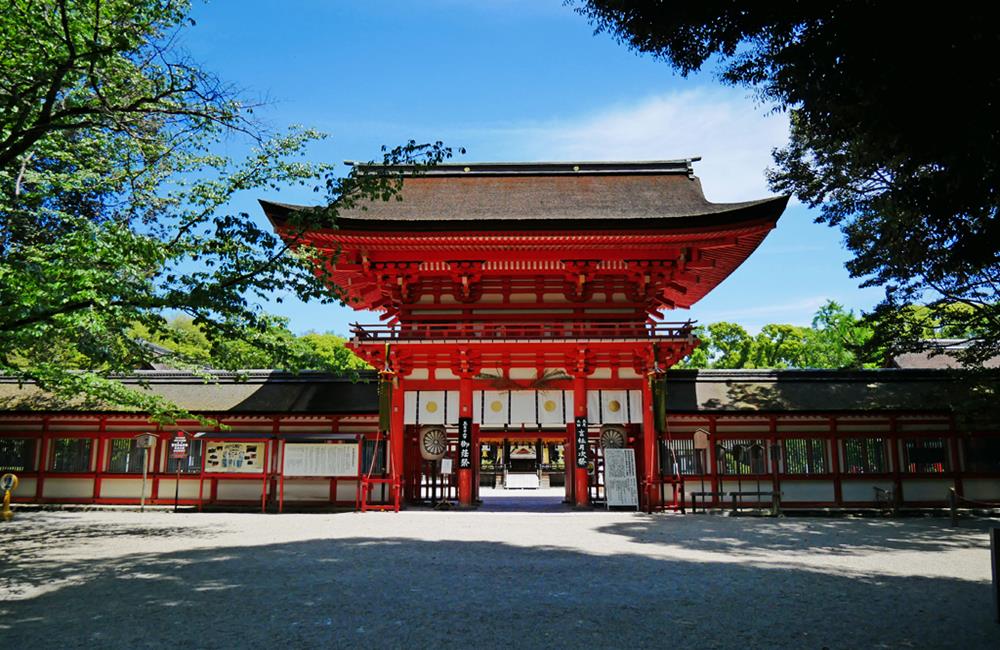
(321, 460)
(620, 485)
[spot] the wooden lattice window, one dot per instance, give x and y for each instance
(865, 456)
(690, 461)
(741, 457)
(125, 456)
(925, 455)
(71, 455)
(373, 451)
(17, 454)
(806, 456)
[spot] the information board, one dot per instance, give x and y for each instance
(321, 460)
(234, 457)
(179, 447)
(620, 483)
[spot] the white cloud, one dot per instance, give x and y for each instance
(799, 309)
(732, 134)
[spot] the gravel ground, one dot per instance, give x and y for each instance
(501, 576)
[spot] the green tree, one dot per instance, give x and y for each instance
(723, 345)
(732, 345)
(779, 346)
(836, 339)
(331, 349)
(894, 133)
(186, 343)
(114, 202)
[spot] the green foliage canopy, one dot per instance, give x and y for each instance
(836, 339)
(894, 132)
(114, 204)
(316, 351)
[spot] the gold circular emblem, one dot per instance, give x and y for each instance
(431, 407)
(496, 406)
(549, 406)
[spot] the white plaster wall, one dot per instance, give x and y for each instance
(68, 488)
(981, 489)
(188, 490)
(748, 485)
(125, 488)
(249, 490)
(862, 489)
(817, 491)
(307, 490)
(25, 489)
(348, 490)
(926, 489)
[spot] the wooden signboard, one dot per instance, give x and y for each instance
(580, 424)
(620, 482)
(179, 447)
(464, 443)
(320, 460)
(234, 457)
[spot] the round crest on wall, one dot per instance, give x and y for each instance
(433, 442)
(613, 437)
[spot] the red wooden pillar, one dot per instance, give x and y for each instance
(956, 457)
(43, 460)
(650, 490)
(281, 476)
(774, 456)
(397, 440)
(477, 459)
(569, 462)
(580, 488)
(157, 461)
(413, 461)
(713, 466)
(465, 495)
(267, 477)
(896, 458)
(838, 494)
(98, 466)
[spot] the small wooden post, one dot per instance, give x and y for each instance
(953, 506)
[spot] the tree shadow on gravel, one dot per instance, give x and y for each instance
(803, 535)
(367, 592)
(30, 565)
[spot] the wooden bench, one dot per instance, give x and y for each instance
(774, 496)
(705, 496)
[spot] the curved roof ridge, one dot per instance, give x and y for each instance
(481, 197)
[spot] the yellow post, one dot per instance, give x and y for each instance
(8, 482)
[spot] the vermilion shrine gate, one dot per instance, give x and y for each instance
(526, 302)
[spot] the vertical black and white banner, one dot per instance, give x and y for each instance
(465, 443)
(581, 442)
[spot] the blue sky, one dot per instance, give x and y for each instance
(515, 80)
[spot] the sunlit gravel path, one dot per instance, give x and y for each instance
(499, 577)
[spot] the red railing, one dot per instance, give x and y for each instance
(494, 330)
